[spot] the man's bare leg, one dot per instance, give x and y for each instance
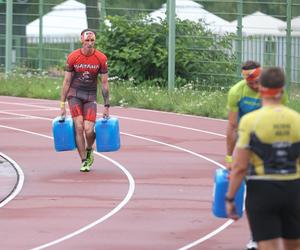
(80, 141)
(291, 244)
(89, 133)
(273, 244)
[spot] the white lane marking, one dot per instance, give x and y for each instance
(177, 114)
(26, 131)
(27, 116)
(170, 125)
(152, 111)
(176, 147)
(25, 110)
(20, 181)
(17, 118)
(23, 104)
(105, 217)
(225, 225)
(219, 229)
(147, 121)
(100, 220)
(208, 236)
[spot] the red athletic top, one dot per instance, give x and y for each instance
(86, 69)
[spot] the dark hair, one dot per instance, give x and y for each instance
(250, 65)
(272, 77)
(85, 30)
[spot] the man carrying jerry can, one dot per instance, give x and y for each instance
(80, 90)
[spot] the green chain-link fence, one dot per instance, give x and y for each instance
(212, 38)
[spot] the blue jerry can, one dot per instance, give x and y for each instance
(107, 134)
(220, 190)
(63, 133)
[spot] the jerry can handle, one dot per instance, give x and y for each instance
(105, 118)
(62, 119)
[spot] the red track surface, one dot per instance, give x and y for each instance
(171, 204)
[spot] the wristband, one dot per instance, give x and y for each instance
(228, 159)
(230, 200)
(62, 104)
(106, 105)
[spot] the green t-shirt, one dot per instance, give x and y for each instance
(243, 99)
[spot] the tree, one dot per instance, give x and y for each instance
(137, 49)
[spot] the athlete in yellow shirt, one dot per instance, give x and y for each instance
(243, 97)
(268, 153)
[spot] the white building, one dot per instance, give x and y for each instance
(192, 11)
(259, 23)
(63, 23)
(295, 26)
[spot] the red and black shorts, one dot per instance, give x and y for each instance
(273, 209)
(87, 109)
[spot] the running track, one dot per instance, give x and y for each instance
(155, 193)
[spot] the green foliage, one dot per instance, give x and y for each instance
(30, 84)
(203, 57)
(137, 49)
(147, 95)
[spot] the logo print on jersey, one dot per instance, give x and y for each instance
(86, 66)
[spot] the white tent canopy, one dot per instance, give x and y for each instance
(295, 25)
(259, 23)
(192, 11)
(66, 20)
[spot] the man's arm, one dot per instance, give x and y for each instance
(237, 175)
(105, 94)
(64, 91)
(231, 135)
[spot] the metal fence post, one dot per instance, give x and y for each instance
(41, 13)
(288, 63)
(102, 15)
(171, 48)
(239, 33)
(8, 37)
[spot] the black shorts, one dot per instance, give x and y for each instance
(273, 209)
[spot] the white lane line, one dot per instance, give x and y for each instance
(208, 236)
(26, 131)
(105, 217)
(170, 125)
(225, 225)
(177, 114)
(28, 110)
(176, 147)
(17, 118)
(24, 104)
(151, 111)
(100, 220)
(219, 229)
(27, 116)
(142, 120)
(20, 180)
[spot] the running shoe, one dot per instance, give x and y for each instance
(89, 157)
(85, 167)
(252, 245)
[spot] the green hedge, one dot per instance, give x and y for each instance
(136, 47)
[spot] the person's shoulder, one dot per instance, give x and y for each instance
(238, 86)
(237, 89)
